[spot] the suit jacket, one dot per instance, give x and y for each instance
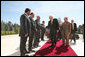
(25, 25)
(33, 25)
(66, 28)
(54, 26)
(42, 28)
(38, 26)
(75, 27)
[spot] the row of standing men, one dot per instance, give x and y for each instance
(30, 29)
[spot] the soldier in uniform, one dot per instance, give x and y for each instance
(42, 30)
(66, 31)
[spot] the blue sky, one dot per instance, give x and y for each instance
(12, 10)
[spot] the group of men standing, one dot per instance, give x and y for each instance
(66, 28)
(34, 30)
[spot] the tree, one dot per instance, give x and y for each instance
(2, 25)
(16, 28)
(9, 28)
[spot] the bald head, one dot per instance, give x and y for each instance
(60, 24)
(38, 17)
(51, 18)
(66, 19)
(72, 21)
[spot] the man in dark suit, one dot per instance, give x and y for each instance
(73, 30)
(24, 30)
(33, 31)
(53, 25)
(37, 34)
(42, 30)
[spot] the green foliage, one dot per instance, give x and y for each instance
(8, 28)
(7, 32)
(16, 30)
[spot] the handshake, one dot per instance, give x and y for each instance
(26, 35)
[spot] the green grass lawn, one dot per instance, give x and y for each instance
(8, 32)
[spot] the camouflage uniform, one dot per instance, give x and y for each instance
(66, 30)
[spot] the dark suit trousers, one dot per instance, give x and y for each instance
(73, 35)
(42, 35)
(37, 37)
(31, 41)
(23, 45)
(53, 37)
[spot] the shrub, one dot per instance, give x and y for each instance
(8, 32)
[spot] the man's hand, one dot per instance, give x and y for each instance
(57, 31)
(26, 35)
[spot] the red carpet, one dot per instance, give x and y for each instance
(59, 50)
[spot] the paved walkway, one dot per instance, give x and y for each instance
(10, 46)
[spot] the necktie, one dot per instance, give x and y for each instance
(51, 22)
(73, 26)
